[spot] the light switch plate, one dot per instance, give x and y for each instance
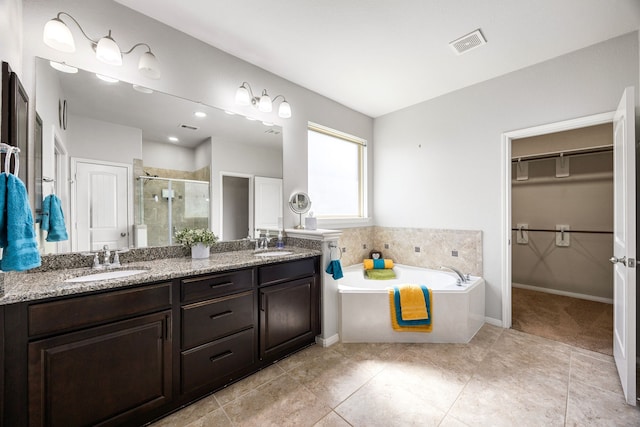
(563, 239)
(522, 236)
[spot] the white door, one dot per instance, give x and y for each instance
(624, 245)
(102, 206)
(268, 203)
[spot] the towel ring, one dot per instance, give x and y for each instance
(7, 162)
(333, 246)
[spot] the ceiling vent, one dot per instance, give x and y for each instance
(272, 131)
(183, 126)
(468, 42)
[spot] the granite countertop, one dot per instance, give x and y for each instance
(26, 286)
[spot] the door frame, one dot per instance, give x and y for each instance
(221, 197)
(507, 137)
(73, 215)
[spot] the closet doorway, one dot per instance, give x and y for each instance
(562, 236)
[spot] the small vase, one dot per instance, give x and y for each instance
(199, 251)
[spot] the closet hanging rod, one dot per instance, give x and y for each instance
(566, 231)
(568, 153)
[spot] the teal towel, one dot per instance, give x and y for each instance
(3, 210)
(53, 219)
(21, 249)
(396, 298)
(335, 269)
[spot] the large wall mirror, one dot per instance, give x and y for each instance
(106, 153)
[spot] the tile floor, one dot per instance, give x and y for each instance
(501, 378)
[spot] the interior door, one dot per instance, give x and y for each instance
(624, 245)
(268, 203)
(102, 206)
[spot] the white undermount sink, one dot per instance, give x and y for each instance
(273, 253)
(105, 275)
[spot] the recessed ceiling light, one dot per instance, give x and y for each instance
(107, 78)
(200, 114)
(267, 123)
(173, 139)
(61, 66)
(142, 89)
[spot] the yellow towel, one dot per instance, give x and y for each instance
(370, 264)
(394, 321)
(412, 304)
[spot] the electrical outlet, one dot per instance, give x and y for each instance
(454, 253)
(364, 246)
(386, 246)
(417, 249)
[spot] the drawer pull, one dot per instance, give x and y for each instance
(219, 315)
(215, 285)
(220, 356)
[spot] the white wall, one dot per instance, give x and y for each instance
(445, 154)
(11, 34)
(190, 69)
(109, 141)
(168, 156)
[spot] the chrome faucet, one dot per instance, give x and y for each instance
(263, 242)
(107, 256)
(462, 279)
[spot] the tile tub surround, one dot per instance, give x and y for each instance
(436, 246)
(501, 378)
(26, 286)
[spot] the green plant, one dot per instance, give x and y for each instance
(192, 236)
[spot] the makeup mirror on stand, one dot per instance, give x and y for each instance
(300, 203)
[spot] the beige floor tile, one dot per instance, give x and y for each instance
(216, 418)
(371, 356)
(486, 336)
(281, 402)
(592, 406)
(306, 355)
(332, 420)
(595, 372)
(189, 414)
(511, 402)
(462, 358)
(450, 421)
(244, 386)
(384, 403)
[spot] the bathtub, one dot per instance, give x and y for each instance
(457, 312)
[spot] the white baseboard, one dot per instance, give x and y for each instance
(326, 342)
(564, 293)
(492, 321)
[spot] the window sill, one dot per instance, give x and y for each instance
(339, 223)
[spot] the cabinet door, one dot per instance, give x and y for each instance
(288, 317)
(108, 374)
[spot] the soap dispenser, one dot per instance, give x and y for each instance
(280, 242)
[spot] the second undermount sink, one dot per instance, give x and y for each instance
(273, 253)
(105, 275)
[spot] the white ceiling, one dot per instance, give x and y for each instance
(379, 56)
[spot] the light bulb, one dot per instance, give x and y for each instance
(242, 96)
(265, 103)
(57, 35)
(108, 51)
(149, 65)
(284, 110)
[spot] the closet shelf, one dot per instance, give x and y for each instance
(566, 153)
(548, 230)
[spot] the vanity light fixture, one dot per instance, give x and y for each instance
(264, 103)
(107, 78)
(61, 66)
(57, 35)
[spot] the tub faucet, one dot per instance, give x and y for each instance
(461, 279)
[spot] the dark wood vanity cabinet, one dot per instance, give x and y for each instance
(218, 333)
(289, 302)
(130, 355)
(100, 359)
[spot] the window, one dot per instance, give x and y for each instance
(336, 168)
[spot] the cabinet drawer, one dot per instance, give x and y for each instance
(216, 285)
(274, 273)
(217, 360)
(73, 313)
(206, 321)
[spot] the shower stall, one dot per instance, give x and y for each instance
(168, 205)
